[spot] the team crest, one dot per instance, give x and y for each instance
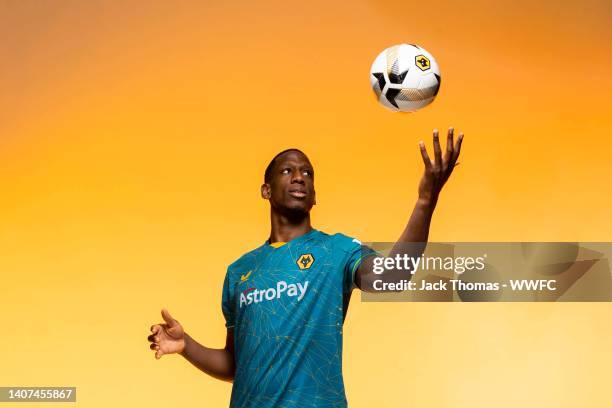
(422, 62)
(305, 261)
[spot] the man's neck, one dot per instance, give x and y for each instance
(284, 229)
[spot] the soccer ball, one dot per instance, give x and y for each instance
(405, 78)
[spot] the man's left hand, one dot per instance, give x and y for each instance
(439, 170)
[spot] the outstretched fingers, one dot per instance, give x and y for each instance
(425, 156)
(449, 145)
(457, 149)
(437, 150)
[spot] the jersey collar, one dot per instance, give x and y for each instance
(294, 241)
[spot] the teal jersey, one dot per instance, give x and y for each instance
(286, 306)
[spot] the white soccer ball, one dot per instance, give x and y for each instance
(405, 78)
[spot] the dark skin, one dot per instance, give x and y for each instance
(291, 194)
(413, 239)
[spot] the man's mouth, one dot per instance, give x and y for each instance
(297, 193)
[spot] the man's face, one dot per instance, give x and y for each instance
(291, 186)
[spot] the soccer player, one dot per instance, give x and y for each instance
(284, 303)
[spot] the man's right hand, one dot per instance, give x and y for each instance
(167, 338)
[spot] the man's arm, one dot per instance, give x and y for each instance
(414, 238)
(170, 338)
(218, 363)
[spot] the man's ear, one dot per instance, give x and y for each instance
(265, 191)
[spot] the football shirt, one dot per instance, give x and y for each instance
(286, 305)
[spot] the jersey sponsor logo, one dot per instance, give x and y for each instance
(282, 288)
(305, 261)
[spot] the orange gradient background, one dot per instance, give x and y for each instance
(133, 140)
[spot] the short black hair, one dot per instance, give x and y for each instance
(270, 168)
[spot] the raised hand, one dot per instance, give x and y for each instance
(439, 170)
(167, 338)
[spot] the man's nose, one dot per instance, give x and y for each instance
(297, 177)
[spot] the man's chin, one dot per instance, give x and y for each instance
(296, 211)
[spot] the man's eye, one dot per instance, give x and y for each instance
(307, 173)
(285, 171)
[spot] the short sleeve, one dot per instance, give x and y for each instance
(355, 254)
(227, 303)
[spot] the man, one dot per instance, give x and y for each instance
(284, 303)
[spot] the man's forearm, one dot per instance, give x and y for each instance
(417, 229)
(412, 243)
(218, 363)
(413, 240)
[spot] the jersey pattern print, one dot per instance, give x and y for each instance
(286, 305)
